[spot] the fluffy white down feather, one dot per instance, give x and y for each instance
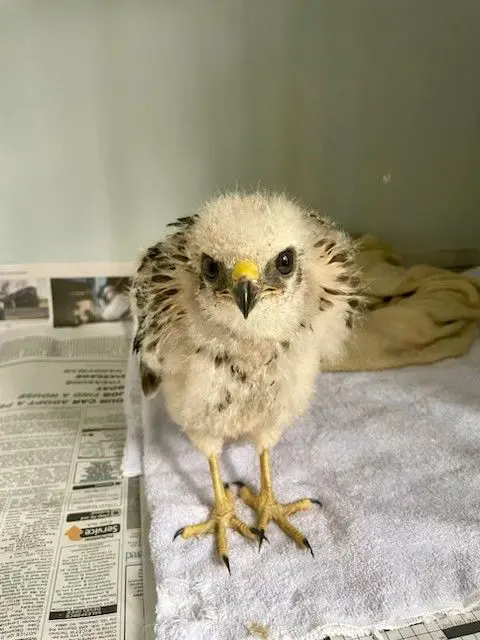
(223, 376)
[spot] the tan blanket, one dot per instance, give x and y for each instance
(417, 315)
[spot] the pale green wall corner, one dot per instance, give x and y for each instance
(116, 117)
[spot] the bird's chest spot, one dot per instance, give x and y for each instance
(243, 370)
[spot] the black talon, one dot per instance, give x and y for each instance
(225, 485)
(239, 484)
(307, 545)
(316, 502)
(226, 563)
(179, 533)
(260, 533)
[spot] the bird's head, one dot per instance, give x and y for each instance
(250, 260)
(253, 267)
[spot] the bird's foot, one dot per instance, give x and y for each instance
(222, 517)
(267, 508)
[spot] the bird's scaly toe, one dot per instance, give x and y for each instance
(267, 508)
(222, 517)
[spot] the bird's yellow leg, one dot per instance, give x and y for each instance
(267, 507)
(222, 517)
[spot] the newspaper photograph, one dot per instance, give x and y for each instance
(77, 301)
(70, 524)
(23, 297)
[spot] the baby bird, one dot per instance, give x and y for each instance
(235, 311)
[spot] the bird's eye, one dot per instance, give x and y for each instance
(285, 262)
(210, 268)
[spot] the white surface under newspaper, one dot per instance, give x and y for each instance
(70, 537)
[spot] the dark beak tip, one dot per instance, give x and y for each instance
(245, 294)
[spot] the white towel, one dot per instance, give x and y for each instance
(394, 457)
(132, 464)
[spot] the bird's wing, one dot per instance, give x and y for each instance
(157, 301)
(336, 270)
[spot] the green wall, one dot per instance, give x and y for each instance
(116, 117)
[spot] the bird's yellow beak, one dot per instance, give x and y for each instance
(245, 276)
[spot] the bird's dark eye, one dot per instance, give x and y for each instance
(210, 268)
(285, 262)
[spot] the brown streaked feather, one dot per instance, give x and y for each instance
(186, 221)
(150, 381)
(342, 256)
(136, 342)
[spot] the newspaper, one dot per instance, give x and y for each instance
(70, 527)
